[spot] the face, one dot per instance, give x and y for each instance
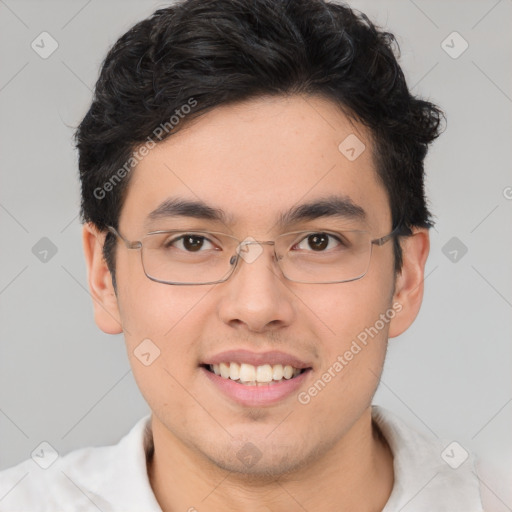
(255, 161)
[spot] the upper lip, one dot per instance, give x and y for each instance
(257, 358)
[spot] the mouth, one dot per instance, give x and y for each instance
(256, 379)
(250, 375)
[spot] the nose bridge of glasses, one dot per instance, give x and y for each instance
(243, 248)
(249, 241)
(250, 249)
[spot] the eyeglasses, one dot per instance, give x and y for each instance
(184, 257)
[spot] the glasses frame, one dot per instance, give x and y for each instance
(138, 245)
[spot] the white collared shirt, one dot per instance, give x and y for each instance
(114, 478)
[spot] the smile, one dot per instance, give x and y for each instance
(251, 375)
(256, 379)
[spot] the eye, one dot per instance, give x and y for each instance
(320, 242)
(189, 242)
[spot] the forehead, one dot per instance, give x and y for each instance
(258, 159)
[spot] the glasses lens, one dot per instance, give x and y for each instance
(194, 257)
(324, 256)
(187, 257)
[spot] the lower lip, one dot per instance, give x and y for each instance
(259, 395)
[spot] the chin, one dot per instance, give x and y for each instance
(264, 460)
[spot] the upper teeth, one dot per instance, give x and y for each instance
(249, 373)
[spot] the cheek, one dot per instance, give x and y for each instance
(354, 320)
(162, 330)
(343, 311)
(153, 310)
(352, 354)
(162, 348)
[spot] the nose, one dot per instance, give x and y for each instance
(257, 296)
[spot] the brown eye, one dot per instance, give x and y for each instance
(318, 241)
(189, 242)
(193, 243)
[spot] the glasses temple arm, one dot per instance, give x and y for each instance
(130, 245)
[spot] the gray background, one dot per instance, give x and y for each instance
(64, 381)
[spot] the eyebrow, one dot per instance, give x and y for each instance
(340, 207)
(180, 207)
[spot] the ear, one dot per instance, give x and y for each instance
(106, 309)
(409, 282)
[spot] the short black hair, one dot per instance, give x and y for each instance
(203, 54)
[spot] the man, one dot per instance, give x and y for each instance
(256, 227)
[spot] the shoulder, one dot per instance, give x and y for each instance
(29, 486)
(428, 471)
(94, 478)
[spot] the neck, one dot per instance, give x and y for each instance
(183, 479)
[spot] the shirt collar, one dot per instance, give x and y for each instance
(423, 480)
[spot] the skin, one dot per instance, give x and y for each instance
(254, 160)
